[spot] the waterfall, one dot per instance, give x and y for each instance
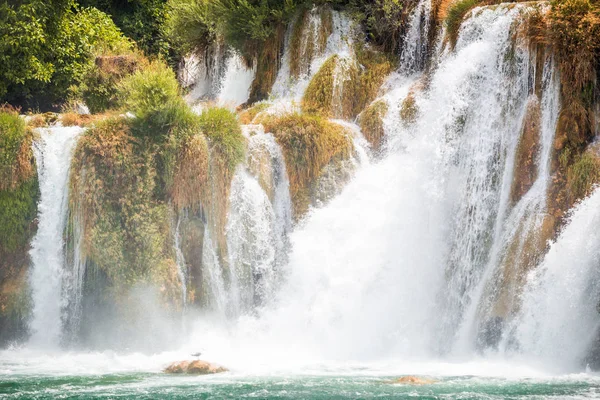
(398, 265)
(559, 319)
(53, 153)
(180, 259)
(415, 47)
(219, 74)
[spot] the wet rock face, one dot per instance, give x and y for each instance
(525, 163)
(196, 367)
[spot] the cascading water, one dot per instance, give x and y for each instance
(219, 74)
(53, 153)
(180, 259)
(394, 266)
(559, 318)
(414, 51)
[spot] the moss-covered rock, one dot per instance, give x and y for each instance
(248, 116)
(371, 123)
(343, 87)
(409, 110)
(309, 143)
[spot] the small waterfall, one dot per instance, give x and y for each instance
(203, 73)
(288, 89)
(53, 153)
(521, 223)
(180, 259)
(250, 242)
(235, 85)
(218, 75)
(213, 282)
(559, 318)
(415, 44)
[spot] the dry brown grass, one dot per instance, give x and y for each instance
(191, 174)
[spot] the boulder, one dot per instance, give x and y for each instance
(196, 367)
(412, 380)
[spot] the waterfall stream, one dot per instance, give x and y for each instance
(53, 153)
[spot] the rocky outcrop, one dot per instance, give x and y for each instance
(412, 380)
(196, 367)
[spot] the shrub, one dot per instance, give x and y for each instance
(224, 134)
(309, 143)
(99, 86)
(149, 90)
(190, 25)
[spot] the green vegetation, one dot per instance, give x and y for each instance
(248, 115)
(309, 143)
(46, 47)
(126, 223)
(99, 86)
(583, 174)
(190, 25)
(318, 97)
(224, 134)
(19, 194)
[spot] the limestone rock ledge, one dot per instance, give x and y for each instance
(196, 367)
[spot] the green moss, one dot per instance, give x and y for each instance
(18, 209)
(224, 134)
(455, 16)
(318, 97)
(309, 143)
(16, 156)
(371, 123)
(361, 81)
(583, 174)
